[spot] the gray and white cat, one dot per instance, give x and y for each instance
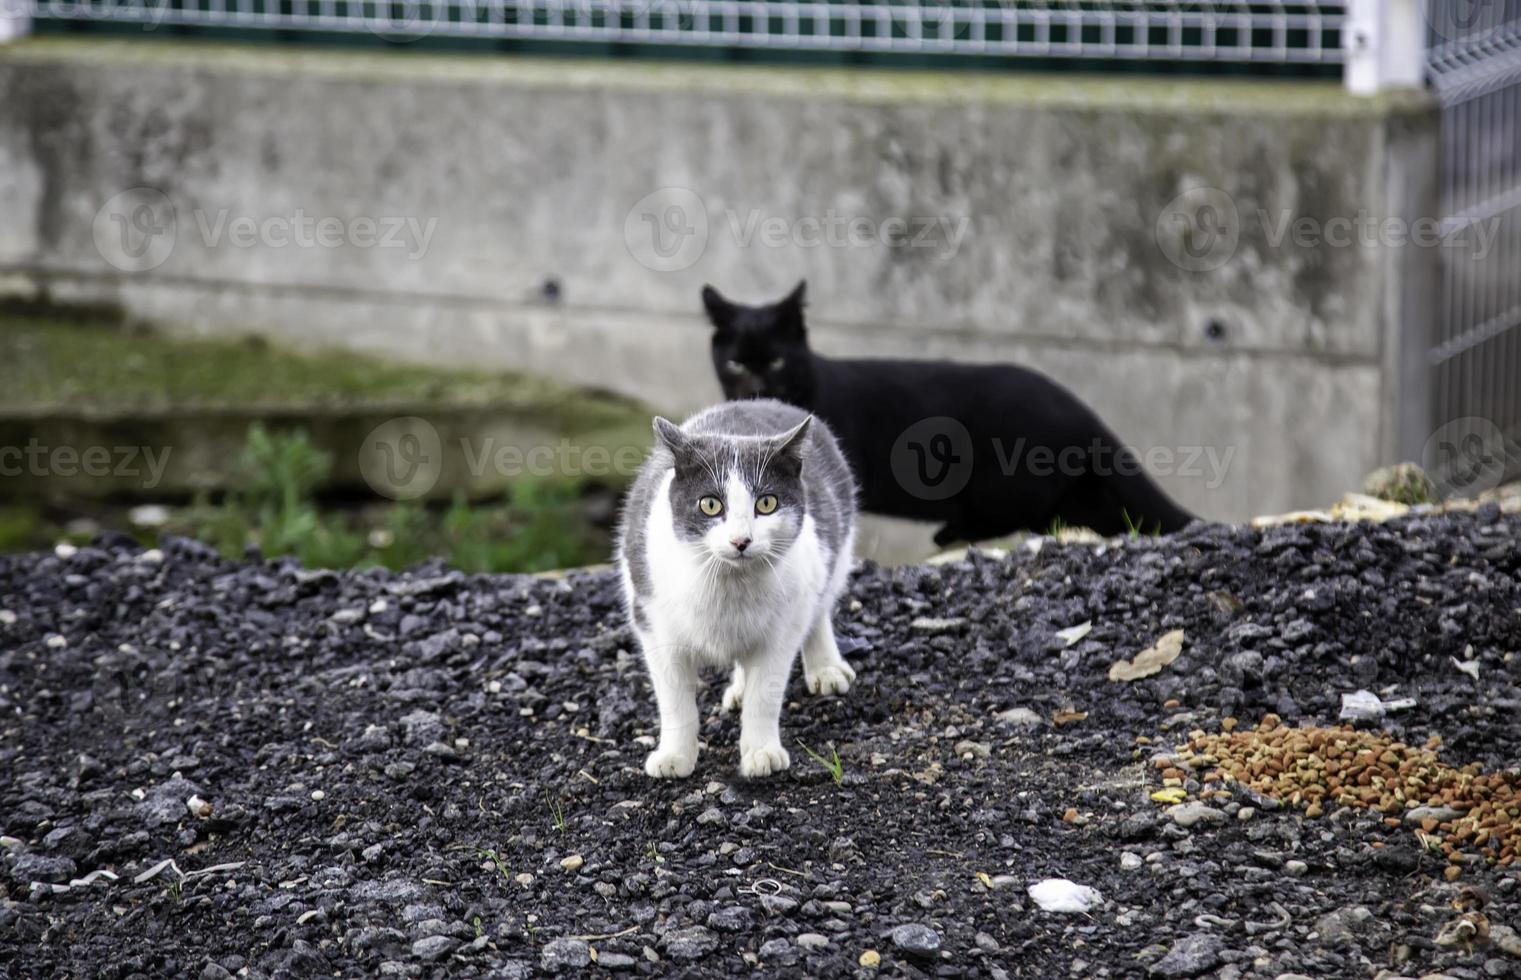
(736, 542)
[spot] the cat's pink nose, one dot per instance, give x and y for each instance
(740, 544)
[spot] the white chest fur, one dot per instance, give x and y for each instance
(721, 614)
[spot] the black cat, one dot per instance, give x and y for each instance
(985, 449)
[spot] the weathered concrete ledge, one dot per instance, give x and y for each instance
(522, 191)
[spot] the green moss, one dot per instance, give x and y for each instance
(1129, 93)
(22, 528)
(50, 366)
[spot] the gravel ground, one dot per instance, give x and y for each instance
(430, 774)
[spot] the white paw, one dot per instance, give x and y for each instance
(834, 678)
(664, 763)
(734, 696)
(764, 761)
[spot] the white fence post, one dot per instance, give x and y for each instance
(1386, 45)
(15, 20)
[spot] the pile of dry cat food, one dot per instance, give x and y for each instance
(1459, 811)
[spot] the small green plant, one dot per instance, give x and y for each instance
(1058, 526)
(404, 536)
(540, 525)
(479, 932)
(495, 859)
(281, 471)
(1137, 528)
(834, 764)
(653, 853)
(556, 812)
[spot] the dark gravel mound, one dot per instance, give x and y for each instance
(431, 774)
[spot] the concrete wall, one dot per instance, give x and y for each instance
(1048, 212)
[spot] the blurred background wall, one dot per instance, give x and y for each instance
(1250, 276)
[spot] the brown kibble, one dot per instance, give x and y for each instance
(1315, 769)
(1171, 703)
(1452, 872)
(1070, 815)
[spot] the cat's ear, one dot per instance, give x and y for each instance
(792, 445)
(720, 310)
(789, 312)
(672, 438)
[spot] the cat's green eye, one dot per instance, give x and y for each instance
(734, 367)
(766, 504)
(777, 364)
(711, 506)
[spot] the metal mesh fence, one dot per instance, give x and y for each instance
(1474, 63)
(1155, 30)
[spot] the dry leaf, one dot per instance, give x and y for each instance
(1068, 717)
(1072, 634)
(1150, 660)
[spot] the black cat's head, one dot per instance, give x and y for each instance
(761, 351)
